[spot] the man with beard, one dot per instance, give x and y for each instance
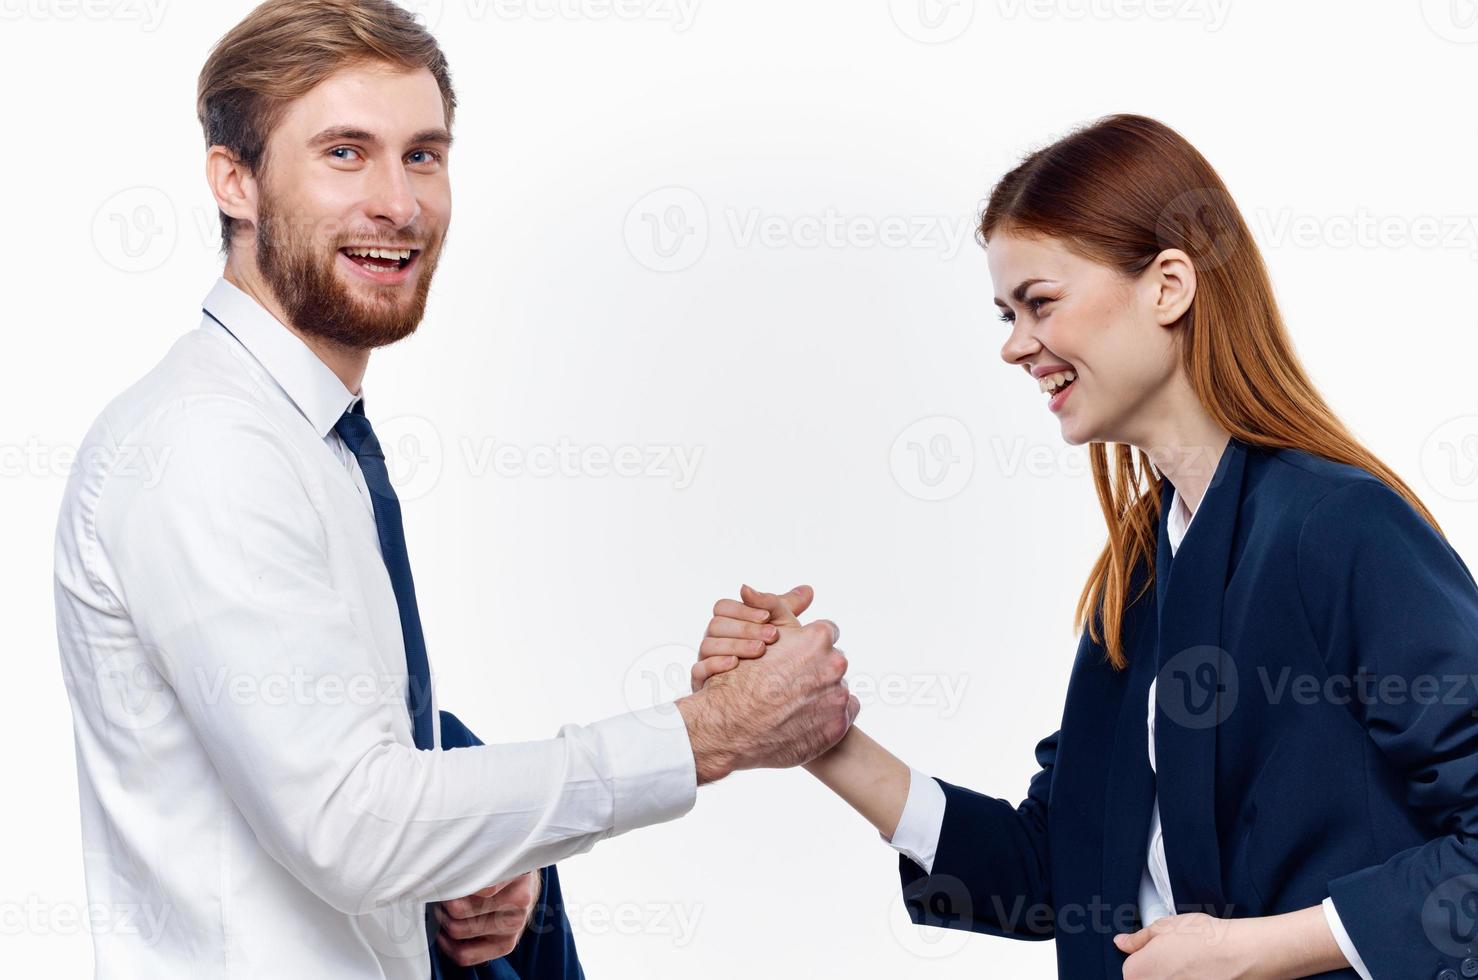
(260, 753)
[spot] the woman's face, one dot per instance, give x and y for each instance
(1070, 313)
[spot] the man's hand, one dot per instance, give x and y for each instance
(487, 924)
(778, 711)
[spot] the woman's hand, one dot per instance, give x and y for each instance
(742, 630)
(1193, 946)
(1200, 946)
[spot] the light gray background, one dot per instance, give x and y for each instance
(739, 230)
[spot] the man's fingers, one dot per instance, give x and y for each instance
(708, 666)
(732, 609)
(740, 629)
(514, 893)
(780, 613)
(718, 647)
(825, 624)
(470, 952)
(496, 922)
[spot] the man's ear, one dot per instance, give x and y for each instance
(231, 184)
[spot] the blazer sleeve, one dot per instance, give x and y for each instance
(990, 873)
(1388, 597)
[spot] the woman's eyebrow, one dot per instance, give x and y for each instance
(1019, 293)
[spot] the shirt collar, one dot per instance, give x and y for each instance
(304, 378)
(1176, 522)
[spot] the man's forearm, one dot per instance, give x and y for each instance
(713, 756)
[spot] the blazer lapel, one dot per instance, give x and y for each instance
(1130, 791)
(1197, 684)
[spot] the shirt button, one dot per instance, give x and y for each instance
(1470, 967)
(1448, 975)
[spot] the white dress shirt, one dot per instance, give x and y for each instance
(252, 798)
(917, 834)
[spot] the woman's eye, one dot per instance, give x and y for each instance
(1005, 317)
(1036, 304)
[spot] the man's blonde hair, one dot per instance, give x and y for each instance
(283, 49)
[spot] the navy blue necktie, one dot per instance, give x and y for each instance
(357, 434)
(548, 952)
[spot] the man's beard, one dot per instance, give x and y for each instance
(316, 302)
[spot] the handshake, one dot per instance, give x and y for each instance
(768, 692)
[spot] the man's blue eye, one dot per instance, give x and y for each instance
(338, 148)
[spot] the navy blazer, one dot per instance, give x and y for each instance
(1316, 644)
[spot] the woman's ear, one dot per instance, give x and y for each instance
(1173, 281)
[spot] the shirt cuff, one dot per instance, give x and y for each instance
(1342, 939)
(649, 759)
(917, 835)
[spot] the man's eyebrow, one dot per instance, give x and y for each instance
(1019, 293)
(353, 134)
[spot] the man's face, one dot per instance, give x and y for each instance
(358, 163)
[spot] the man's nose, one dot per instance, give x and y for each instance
(394, 199)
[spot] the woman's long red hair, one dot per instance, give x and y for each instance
(1119, 191)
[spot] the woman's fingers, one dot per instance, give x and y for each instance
(799, 598)
(741, 629)
(719, 646)
(779, 611)
(708, 666)
(732, 609)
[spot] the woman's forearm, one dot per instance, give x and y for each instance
(869, 777)
(1298, 944)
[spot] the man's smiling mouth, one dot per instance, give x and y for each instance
(379, 259)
